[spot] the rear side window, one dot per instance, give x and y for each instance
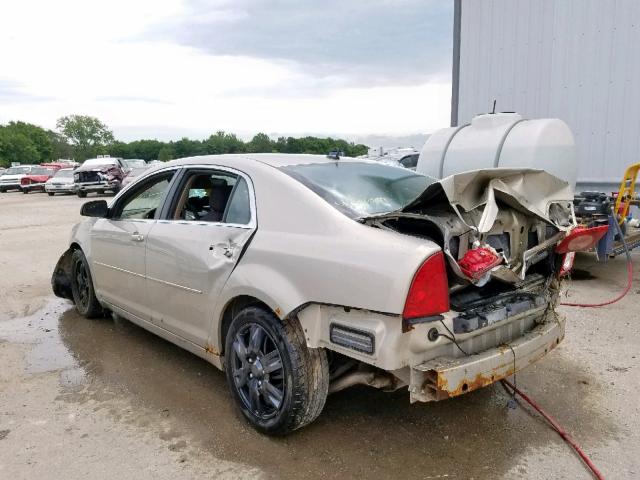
(213, 196)
(239, 209)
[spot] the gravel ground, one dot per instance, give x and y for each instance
(106, 399)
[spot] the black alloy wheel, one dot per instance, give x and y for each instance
(257, 371)
(82, 289)
(278, 383)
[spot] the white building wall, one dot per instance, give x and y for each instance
(577, 60)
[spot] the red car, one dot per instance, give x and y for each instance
(38, 176)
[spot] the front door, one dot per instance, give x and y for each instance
(118, 245)
(192, 252)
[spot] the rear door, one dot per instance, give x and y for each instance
(193, 249)
(118, 244)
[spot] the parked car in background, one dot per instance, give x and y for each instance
(302, 275)
(61, 182)
(37, 177)
(12, 177)
(135, 163)
(399, 157)
(100, 175)
(133, 174)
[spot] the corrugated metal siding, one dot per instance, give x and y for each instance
(578, 60)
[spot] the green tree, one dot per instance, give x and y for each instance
(25, 143)
(261, 143)
(88, 135)
(166, 153)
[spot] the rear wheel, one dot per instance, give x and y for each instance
(25, 190)
(51, 194)
(82, 290)
(82, 194)
(277, 381)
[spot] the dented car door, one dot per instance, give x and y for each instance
(192, 252)
(118, 245)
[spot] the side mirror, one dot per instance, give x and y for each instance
(96, 208)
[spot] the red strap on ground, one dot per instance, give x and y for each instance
(619, 297)
(556, 426)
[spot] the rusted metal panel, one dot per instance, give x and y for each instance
(444, 377)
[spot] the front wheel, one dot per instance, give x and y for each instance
(84, 295)
(278, 382)
(51, 194)
(82, 194)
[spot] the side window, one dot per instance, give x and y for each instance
(410, 161)
(204, 196)
(239, 210)
(145, 201)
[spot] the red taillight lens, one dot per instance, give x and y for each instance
(567, 263)
(581, 238)
(429, 291)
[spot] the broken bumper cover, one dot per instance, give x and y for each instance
(446, 377)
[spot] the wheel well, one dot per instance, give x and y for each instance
(232, 309)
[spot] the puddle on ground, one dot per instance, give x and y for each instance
(580, 274)
(361, 433)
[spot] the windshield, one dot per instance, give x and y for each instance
(65, 172)
(17, 170)
(360, 189)
(135, 163)
(99, 161)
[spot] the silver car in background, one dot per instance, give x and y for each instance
(301, 275)
(61, 182)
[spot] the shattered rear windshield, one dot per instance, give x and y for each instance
(361, 189)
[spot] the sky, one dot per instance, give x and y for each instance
(173, 68)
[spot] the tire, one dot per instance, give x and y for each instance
(299, 374)
(51, 194)
(25, 190)
(82, 194)
(82, 290)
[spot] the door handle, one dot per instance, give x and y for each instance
(136, 237)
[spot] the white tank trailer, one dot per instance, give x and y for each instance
(502, 140)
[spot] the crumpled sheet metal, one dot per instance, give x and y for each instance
(528, 190)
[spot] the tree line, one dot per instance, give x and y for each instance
(80, 137)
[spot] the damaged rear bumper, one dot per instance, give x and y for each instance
(446, 377)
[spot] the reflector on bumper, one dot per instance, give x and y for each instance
(358, 340)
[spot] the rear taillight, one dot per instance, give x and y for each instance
(429, 291)
(581, 238)
(567, 263)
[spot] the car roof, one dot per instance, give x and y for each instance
(272, 159)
